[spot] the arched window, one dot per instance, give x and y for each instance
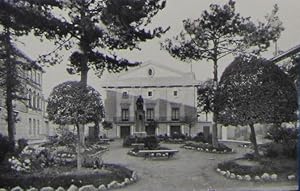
(150, 72)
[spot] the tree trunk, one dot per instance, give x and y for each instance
(215, 111)
(79, 148)
(81, 138)
(10, 116)
(84, 76)
(253, 140)
(206, 118)
(97, 131)
(298, 92)
(9, 89)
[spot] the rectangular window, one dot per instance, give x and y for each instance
(38, 78)
(175, 93)
(175, 114)
(150, 114)
(34, 75)
(29, 99)
(125, 114)
(34, 127)
(150, 93)
(125, 95)
(30, 127)
(38, 127)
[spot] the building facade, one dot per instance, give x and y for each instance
(170, 100)
(31, 122)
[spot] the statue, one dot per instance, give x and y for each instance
(140, 103)
(140, 117)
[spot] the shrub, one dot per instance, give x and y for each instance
(178, 136)
(67, 138)
(285, 142)
(272, 150)
(235, 168)
(290, 149)
(5, 147)
(201, 138)
(282, 134)
(129, 140)
(162, 137)
(22, 143)
(151, 142)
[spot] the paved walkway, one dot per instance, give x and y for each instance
(187, 171)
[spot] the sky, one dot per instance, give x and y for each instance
(172, 16)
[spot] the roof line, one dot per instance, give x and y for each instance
(151, 86)
(286, 54)
(144, 64)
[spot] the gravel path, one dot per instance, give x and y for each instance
(187, 171)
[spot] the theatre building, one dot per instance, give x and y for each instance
(170, 100)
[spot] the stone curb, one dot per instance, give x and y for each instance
(112, 185)
(263, 178)
(207, 150)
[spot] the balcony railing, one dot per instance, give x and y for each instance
(120, 119)
(131, 119)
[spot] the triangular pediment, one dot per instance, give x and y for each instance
(151, 74)
(151, 70)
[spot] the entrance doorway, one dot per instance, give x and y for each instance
(175, 130)
(206, 132)
(124, 131)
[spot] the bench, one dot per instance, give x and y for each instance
(158, 153)
(105, 141)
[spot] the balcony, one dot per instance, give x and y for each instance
(161, 119)
(121, 120)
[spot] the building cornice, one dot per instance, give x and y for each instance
(158, 86)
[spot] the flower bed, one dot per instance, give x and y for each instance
(33, 159)
(265, 169)
(43, 166)
(174, 141)
(206, 147)
(110, 176)
(135, 151)
(245, 145)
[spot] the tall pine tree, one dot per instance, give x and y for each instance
(219, 32)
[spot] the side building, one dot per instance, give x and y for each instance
(170, 101)
(31, 122)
